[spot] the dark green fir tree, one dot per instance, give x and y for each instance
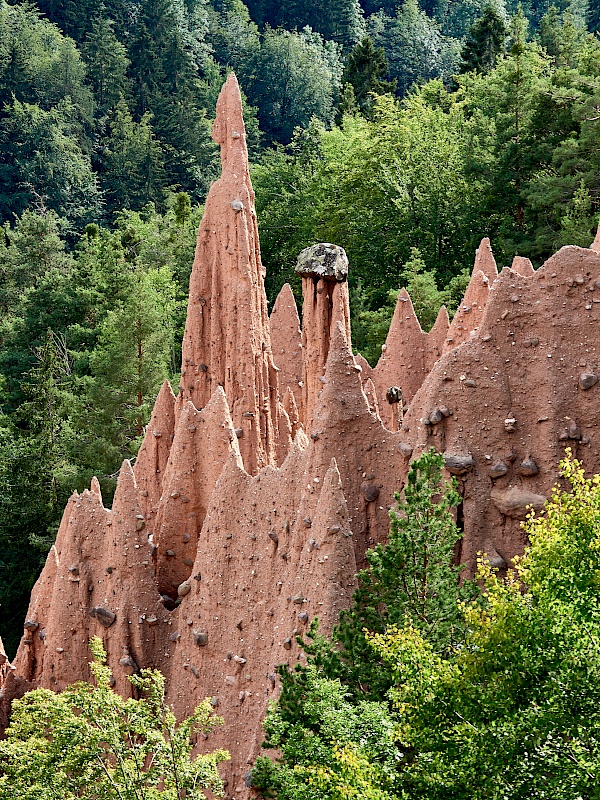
(365, 71)
(485, 42)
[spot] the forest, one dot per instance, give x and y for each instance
(404, 132)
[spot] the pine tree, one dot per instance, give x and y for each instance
(344, 22)
(71, 16)
(594, 16)
(27, 250)
(46, 413)
(133, 354)
(43, 165)
(578, 223)
(411, 580)
(146, 71)
(132, 162)
(485, 42)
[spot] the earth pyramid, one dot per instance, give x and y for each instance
(259, 488)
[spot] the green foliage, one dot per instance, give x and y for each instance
(107, 63)
(88, 742)
(38, 64)
(42, 164)
(28, 515)
(364, 72)
(514, 712)
(370, 328)
(485, 42)
(336, 749)
(378, 188)
(410, 580)
(421, 286)
(502, 703)
(414, 46)
(27, 251)
(132, 164)
(291, 78)
(578, 223)
(338, 20)
(134, 351)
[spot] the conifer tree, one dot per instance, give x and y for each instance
(107, 64)
(410, 580)
(421, 285)
(132, 162)
(485, 42)
(364, 71)
(594, 16)
(343, 22)
(347, 104)
(133, 354)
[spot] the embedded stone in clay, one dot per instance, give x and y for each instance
(517, 503)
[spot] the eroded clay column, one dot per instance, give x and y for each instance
(227, 341)
(324, 270)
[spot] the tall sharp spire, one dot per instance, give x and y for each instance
(227, 341)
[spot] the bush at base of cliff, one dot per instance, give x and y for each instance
(336, 750)
(88, 742)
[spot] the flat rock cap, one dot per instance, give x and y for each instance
(323, 260)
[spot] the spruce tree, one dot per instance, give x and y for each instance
(364, 71)
(594, 16)
(343, 22)
(485, 42)
(132, 358)
(107, 63)
(132, 172)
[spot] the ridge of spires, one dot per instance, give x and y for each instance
(207, 489)
(204, 441)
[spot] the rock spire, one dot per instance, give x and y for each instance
(227, 341)
(286, 340)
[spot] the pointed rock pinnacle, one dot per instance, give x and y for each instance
(227, 341)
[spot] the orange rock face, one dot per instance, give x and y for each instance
(520, 391)
(403, 363)
(470, 312)
(227, 341)
(258, 490)
(286, 340)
